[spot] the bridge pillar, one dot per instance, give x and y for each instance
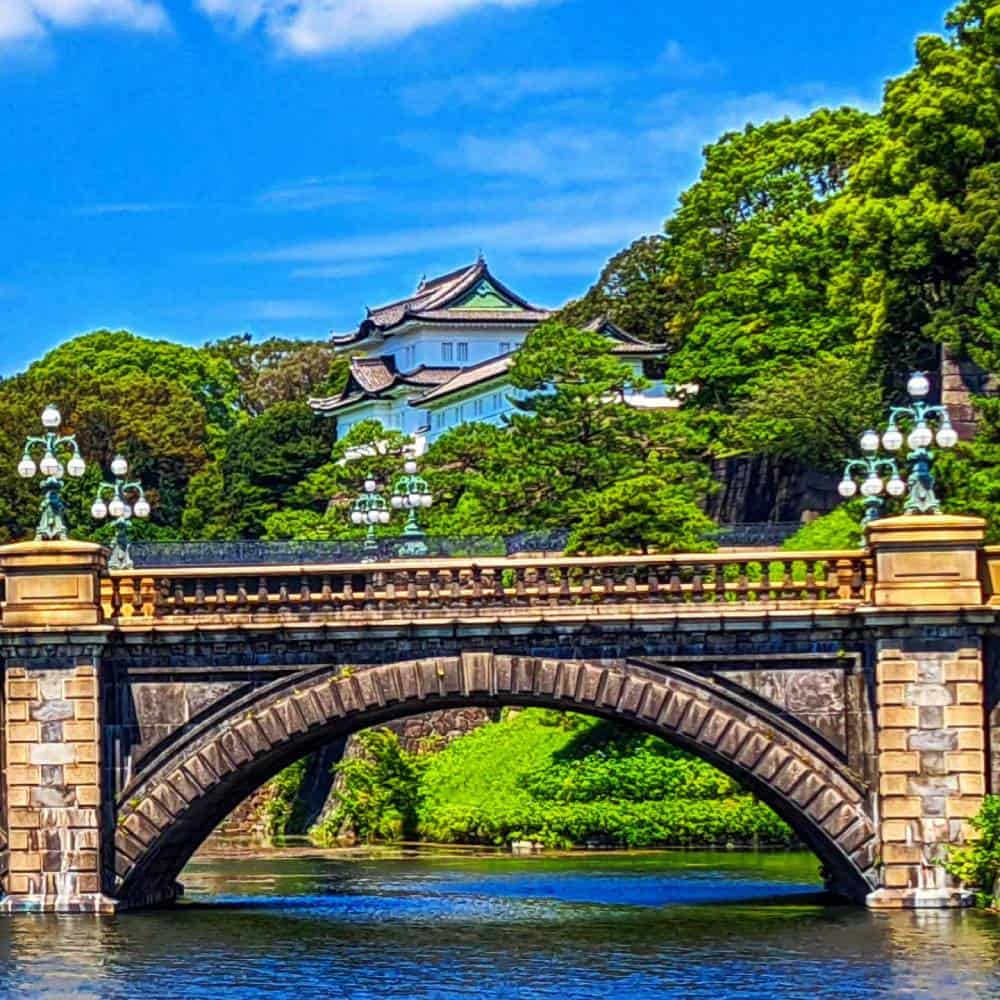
(52, 782)
(930, 698)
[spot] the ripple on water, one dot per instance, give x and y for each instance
(647, 925)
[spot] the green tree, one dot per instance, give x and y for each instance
(640, 514)
(377, 793)
(576, 434)
(317, 507)
(279, 370)
(814, 410)
(633, 291)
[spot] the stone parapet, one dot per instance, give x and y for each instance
(927, 561)
(52, 583)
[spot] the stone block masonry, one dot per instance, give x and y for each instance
(53, 789)
(932, 764)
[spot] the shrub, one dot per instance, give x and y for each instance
(978, 864)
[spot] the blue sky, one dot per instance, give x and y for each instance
(195, 168)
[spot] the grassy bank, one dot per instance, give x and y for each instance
(557, 778)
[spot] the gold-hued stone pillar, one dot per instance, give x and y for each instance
(52, 778)
(930, 702)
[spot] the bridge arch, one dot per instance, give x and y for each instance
(182, 794)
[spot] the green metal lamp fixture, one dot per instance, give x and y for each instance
(921, 498)
(411, 492)
(120, 499)
(52, 445)
(873, 483)
(370, 508)
(919, 487)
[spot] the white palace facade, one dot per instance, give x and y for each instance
(442, 357)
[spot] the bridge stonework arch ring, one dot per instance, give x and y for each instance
(179, 797)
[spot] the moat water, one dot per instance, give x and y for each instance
(301, 923)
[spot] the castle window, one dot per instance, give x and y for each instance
(447, 351)
(505, 347)
(463, 351)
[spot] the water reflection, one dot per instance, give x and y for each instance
(705, 925)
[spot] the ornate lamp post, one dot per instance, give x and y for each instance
(370, 508)
(921, 499)
(51, 523)
(411, 492)
(873, 484)
(113, 499)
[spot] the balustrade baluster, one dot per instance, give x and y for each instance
(858, 580)
(242, 600)
(845, 579)
(180, 604)
(221, 603)
(743, 582)
(434, 588)
(676, 588)
(162, 598)
(476, 582)
(305, 595)
(542, 585)
(263, 595)
(116, 597)
(812, 591)
(326, 593)
(138, 598)
(412, 591)
(698, 584)
(200, 604)
(283, 598)
(788, 590)
(719, 581)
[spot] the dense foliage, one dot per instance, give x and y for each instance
(556, 778)
(978, 864)
(378, 791)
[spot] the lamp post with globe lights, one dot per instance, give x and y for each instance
(120, 499)
(51, 523)
(411, 492)
(921, 498)
(873, 484)
(370, 508)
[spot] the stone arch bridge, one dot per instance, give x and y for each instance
(853, 692)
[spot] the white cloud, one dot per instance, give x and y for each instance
(336, 272)
(676, 124)
(540, 234)
(27, 19)
(676, 60)
(315, 27)
(313, 193)
(128, 208)
(503, 90)
(282, 309)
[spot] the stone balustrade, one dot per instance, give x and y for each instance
(757, 578)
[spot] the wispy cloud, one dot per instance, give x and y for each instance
(679, 61)
(538, 233)
(316, 27)
(336, 272)
(504, 90)
(284, 309)
(128, 208)
(678, 123)
(314, 193)
(34, 19)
